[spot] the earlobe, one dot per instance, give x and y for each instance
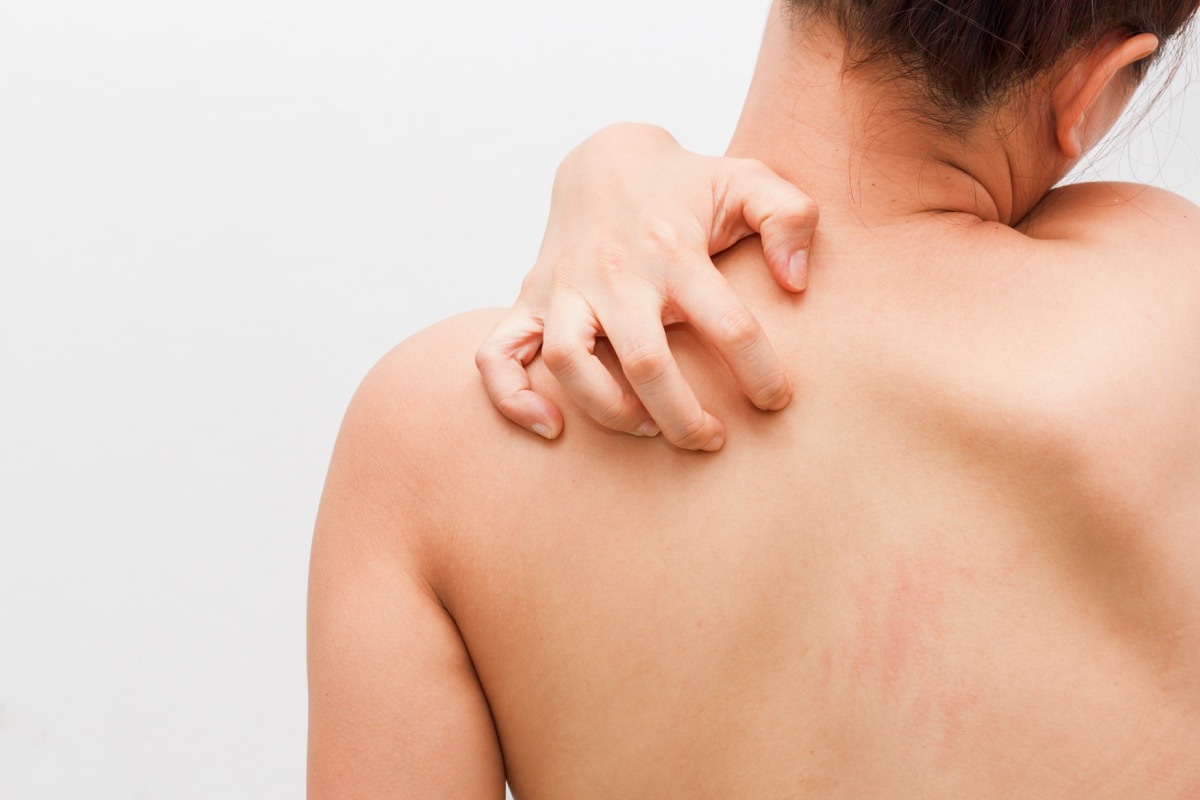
(1087, 99)
(1070, 136)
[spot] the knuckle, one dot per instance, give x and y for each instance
(665, 236)
(690, 433)
(611, 414)
(610, 260)
(606, 265)
(559, 356)
(737, 329)
(509, 405)
(757, 175)
(774, 391)
(751, 167)
(645, 363)
(801, 212)
(755, 168)
(484, 357)
(491, 356)
(531, 284)
(798, 211)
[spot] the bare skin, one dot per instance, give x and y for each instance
(962, 562)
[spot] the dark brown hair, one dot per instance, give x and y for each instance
(964, 55)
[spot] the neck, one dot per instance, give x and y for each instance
(833, 134)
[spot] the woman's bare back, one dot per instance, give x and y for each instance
(962, 563)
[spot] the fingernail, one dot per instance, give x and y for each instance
(647, 429)
(798, 271)
(543, 431)
(717, 443)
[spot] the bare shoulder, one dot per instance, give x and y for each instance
(1114, 199)
(417, 431)
(427, 387)
(1127, 216)
(1131, 257)
(441, 352)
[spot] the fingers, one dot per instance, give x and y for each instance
(569, 353)
(709, 303)
(641, 345)
(785, 217)
(501, 361)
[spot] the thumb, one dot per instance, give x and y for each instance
(783, 215)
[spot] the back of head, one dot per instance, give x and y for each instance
(967, 56)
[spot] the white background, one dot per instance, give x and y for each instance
(214, 217)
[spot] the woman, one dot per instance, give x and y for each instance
(961, 564)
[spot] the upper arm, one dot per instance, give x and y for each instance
(395, 706)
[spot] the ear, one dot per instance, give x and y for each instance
(1087, 99)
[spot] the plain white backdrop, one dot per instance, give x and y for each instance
(213, 219)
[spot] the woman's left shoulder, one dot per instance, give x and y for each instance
(1117, 213)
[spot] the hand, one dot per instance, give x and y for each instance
(634, 220)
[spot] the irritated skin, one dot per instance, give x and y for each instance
(962, 563)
